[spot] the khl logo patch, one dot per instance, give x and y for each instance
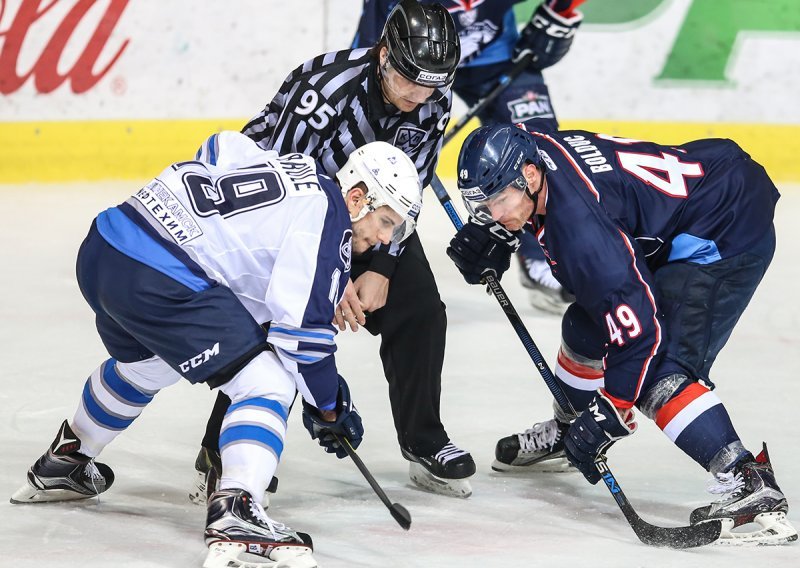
(408, 138)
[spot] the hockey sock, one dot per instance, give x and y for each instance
(109, 404)
(695, 419)
(579, 378)
(251, 442)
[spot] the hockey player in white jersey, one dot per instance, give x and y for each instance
(182, 275)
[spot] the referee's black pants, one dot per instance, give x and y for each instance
(412, 327)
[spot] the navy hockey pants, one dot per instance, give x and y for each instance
(141, 312)
(700, 303)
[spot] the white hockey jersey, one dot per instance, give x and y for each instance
(273, 229)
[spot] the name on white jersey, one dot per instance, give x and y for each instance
(301, 172)
(170, 213)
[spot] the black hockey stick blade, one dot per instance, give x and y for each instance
(401, 515)
(398, 512)
(671, 537)
(678, 537)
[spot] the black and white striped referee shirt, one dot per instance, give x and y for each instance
(332, 104)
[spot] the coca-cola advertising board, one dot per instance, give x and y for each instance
(93, 89)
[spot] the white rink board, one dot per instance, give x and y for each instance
(490, 390)
(188, 59)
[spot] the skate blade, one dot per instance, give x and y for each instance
(234, 555)
(28, 494)
(424, 479)
(775, 530)
(559, 465)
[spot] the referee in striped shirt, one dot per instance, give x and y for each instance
(398, 91)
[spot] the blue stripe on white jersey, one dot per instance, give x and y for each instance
(130, 239)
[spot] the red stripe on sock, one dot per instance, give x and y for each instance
(670, 410)
(575, 368)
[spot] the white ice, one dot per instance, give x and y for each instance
(490, 389)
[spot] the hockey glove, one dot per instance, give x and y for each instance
(594, 431)
(548, 35)
(347, 423)
(478, 250)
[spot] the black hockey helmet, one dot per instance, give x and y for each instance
(422, 42)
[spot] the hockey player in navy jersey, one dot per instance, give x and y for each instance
(182, 275)
(490, 45)
(663, 247)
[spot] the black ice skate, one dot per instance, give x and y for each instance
(750, 495)
(208, 469)
(64, 474)
(544, 291)
(236, 525)
(537, 449)
(445, 472)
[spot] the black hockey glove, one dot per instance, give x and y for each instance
(548, 36)
(593, 432)
(347, 424)
(480, 249)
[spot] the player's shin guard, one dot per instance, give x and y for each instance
(110, 402)
(251, 442)
(579, 377)
(695, 419)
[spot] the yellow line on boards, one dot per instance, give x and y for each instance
(139, 149)
(102, 149)
(774, 146)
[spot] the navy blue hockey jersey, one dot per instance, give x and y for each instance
(618, 209)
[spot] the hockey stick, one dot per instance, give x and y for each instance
(399, 513)
(504, 81)
(672, 537)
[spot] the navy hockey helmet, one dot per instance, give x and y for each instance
(422, 43)
(491, 159)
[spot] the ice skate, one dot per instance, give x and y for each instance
(239, 534)
(64, 474)
(208, 468)
(544, 291)
(445, 472)
(750, 495)
(538, 449)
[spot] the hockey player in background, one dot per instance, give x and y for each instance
(397, 91)
(490, 44)
(663, 247)
(180, 277)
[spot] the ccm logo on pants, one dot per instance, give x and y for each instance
(200, 358)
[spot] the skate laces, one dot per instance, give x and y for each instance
(261, 515)
(542, 436)
(449, 452)
(90, 470)
(727, 484)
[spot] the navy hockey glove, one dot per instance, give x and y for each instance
(480, 249)
(594, 431)
(347, 424)
(548, 35)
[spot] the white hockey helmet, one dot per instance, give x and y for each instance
(391, 179)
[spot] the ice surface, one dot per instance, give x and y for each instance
(490, 390)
